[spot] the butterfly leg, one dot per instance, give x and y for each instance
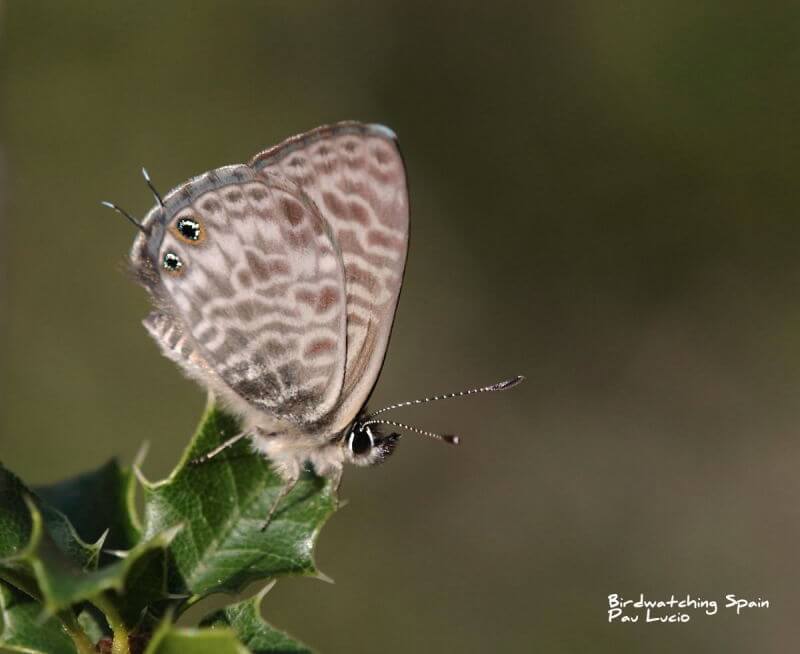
(284, 491)
(220, 448)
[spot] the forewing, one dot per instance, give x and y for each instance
(354, 174)
(259, 295)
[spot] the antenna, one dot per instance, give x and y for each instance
(450, 439)
(149, 183)
(122, 212)
(499, 386)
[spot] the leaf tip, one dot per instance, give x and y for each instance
(102, 539)
(141, 455)
(321, 576)
(263, 592)
(168, 535)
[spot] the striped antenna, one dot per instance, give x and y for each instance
(122, 212)
(149, 183)
(451, 439)
(499, 386)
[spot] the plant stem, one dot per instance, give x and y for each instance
(121, 644)
(71, 626)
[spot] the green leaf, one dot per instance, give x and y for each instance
(65, 589)
(223, 504)
(41, 554)
(251, 629)
(15, 517)
(26, 525)
(142, 596)
(16, 524)
(171, 640)
(203, 533)
(23, 629)
(97, 502)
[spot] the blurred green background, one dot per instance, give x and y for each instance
(604, 198)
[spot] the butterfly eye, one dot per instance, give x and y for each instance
(172, 262)
(189, 228)
(360, 441)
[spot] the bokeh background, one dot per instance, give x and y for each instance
(605, 198)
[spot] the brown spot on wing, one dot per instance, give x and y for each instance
(334, 204)
(276, 348)
(355, 319)
(359, 275)
(293, 211)
(357, 301)
(257, 194)
(305, 297)
(318, 347)
(349, 242)
(274, 290)
(211, 205)
(266, 269)
(381, 155)
(359, 213)
(328, 297)
(300, 240)
(375, 237)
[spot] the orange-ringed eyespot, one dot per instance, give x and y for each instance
(189, 229)
(172, 262)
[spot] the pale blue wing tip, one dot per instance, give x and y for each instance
(383, 131)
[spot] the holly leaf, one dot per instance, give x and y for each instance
(41, 554)
(223, 505)
(203, 532)
(244, 618)
(169, 639)
(27, 524)
(98, 502)
(23, 628)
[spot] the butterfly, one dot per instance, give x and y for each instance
(275, 285)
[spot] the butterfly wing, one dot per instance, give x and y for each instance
(355, 176)
(256, 309)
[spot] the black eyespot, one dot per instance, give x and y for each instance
(189, 228)
(360, 441)
(172, 262)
